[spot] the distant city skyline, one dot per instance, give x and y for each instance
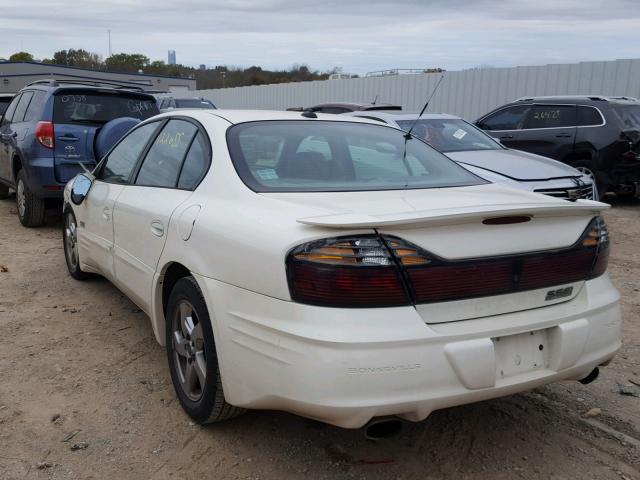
(360, 35)
(171, 60)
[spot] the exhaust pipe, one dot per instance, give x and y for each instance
(591, 377)
(383, 427)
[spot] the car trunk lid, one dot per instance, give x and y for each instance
(485, 223)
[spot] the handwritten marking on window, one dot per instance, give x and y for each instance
(166, 138)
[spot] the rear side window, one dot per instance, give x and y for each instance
(18, 116)
(551, 116)
(161, 166)
(510, 118)
(91, 108)
(35, 106)
(588, 116)
(124, 156)
(629, 115)
(8, 115)
(195, 165)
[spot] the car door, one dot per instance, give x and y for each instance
(549, 130)
(143, 210)
(95, 214)
(505, 124)
(6, 137)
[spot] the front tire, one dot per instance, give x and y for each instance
(31, 209)
(70, 242)
(192, 356)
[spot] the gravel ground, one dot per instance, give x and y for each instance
(86, 394)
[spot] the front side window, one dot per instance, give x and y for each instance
(4, 103)
(162, 163)
(123, 157)
(8, 115)
(91, 108)
(510, 118)
(323, 156)
(450, 135)
(551, 116)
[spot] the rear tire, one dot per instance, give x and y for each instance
(192, 356)
(4, 192)
(587, 168)
(31, 209)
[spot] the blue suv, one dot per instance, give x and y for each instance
(48, 134)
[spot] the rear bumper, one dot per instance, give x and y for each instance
(346, 366)
(41, 178)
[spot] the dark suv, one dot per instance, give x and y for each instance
(597, 135)
(48, 133)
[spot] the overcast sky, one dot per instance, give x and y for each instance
(357, 35)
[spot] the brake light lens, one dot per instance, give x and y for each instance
(44, 134)
(384, 271)
(345, 272)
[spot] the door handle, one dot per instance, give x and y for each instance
(157, 228)
(564, 135)
(503, 137)
(106, 213)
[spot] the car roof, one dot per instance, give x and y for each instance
(242, 116)
(70, 85)
(587, 99)
(395, 116)
(357, 106)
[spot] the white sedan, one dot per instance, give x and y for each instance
(335, 268)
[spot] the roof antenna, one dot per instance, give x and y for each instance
(408, 134)
(375, 100)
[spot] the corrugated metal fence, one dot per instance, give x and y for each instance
(467, 93)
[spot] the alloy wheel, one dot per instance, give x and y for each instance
(188, 351)
(71, 241)
(21, 199)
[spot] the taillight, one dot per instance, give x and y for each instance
(384, 271)
(345, 272)
(44, 134)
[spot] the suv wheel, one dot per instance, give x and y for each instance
(191, 352)
(31, 209)
(70, 242)
(4, 192)
(586, 167)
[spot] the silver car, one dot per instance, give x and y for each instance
(488, 158)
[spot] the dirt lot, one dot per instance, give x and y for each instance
(79, 368)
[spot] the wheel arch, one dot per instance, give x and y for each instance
(167, 277)
(16, 166)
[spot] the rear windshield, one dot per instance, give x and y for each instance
(324, 156)
(99, 107)
(450, 135)
(4, 103)
(629, 115)
(193, 103)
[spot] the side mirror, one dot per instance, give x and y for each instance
(80, 188)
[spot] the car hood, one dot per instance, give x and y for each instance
(515, 164)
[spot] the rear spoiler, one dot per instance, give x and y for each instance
(453, 215)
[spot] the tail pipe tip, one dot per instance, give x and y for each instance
(381, 428)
